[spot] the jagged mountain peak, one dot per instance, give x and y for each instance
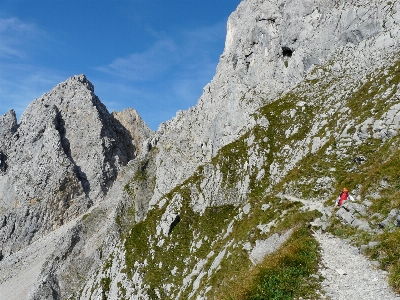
(136, 126)
(60, 159)
(80, 79)
(75, 81)
(75, 94)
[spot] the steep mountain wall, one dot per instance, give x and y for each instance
(270, 47)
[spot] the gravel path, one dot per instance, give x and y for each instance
(348, 274)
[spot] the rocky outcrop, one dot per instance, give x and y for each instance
(137, 129)
(351, 214)
(8, 126)
(393, 218)
(61, 158)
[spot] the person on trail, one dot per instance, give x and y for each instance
(344, 196)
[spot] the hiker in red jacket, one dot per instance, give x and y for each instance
(344, 195)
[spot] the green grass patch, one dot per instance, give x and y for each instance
(122, 289)
(128, 189)
(285, 274)
(141, 173)
(175, 253)
(230, 160)
(388, 254)
(105, 285)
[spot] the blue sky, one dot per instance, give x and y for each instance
(152, 55)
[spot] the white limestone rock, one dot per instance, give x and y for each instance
(139, 131)
(264, 247)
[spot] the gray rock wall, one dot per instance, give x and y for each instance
(8, 126)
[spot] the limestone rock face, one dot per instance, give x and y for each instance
(270, 47)
(60, 159)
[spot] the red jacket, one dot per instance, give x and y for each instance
(343, 197)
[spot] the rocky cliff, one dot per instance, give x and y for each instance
(305, 101)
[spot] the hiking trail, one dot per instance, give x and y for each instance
(349, 274)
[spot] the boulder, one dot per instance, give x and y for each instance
(348, 213)
(392, 218)
(397, 221)
(345, 216)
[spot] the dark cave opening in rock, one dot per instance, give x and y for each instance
(287, 52)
